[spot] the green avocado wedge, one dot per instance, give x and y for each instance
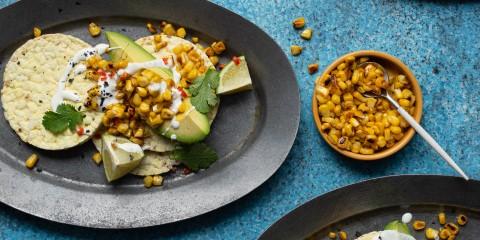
(132, 52)
(398, 226)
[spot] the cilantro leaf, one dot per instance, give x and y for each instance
(203, 91)
(65, 117)
(197, 156)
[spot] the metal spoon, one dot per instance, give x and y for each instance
(419, 129)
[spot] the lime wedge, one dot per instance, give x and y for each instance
(120, 156)
(234, 77)
(398, 226)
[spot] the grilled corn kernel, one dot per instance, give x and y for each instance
(97, 158)
(298, 22)
(181, 33)
(195, 39)
(431, 233)
(452, 228)
(167, 95)
(444, 234)
(462, 220)
(442, 219)
(295, 50)
(209, 51)
(395, 129)
(144, 108)
(139, 133)
(148, 181)
(122, 128)
(157, 180)
(94, 29)
(151, 28)
(160, 45)
(157, 38)
(306, 34)
(142, 92)
(37, 32)
(214, 60)
(136, 140)
(136, 100)
(313, 68)
(182, 108)
(169, 29)
(167, 113)
(219, 47)
(192, 74)
(342, 235)
(31, 161)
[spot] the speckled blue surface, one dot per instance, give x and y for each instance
(439, 41)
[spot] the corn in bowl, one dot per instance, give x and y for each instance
(356, 123)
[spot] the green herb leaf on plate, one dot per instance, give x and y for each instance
(203, 90)
(65, 117)
(197, 156)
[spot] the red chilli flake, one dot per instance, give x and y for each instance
(184, 94)
(165, 60)
(80, 131)
(187, 171)
(236, 60)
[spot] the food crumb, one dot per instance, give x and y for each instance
(313, 68)
(296, 50)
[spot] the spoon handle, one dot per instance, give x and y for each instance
(421, 131)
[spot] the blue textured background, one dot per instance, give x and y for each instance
(439, 41)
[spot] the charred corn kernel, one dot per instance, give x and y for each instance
(167, 113)
(37, 32)
(182, 108)
(406, 93)
(136, 100)
(342, 85)
(143, 81)
(219, 47)
(195, 39)
(336, 99)
(102, 64)
(157, 180)
(342, 235)
(97, 158)
(395, 129)
(136, 140)
(404, 102)
(188, 67)
(148, 181)
(160, 45)
(350, 59)
(295, 50)
(462, 220)
(178, 49)
(144, 108)
(298, 22)
(442, 219)
(139, 133)
(312, 68)
(323, 91)
(94, 29)
(332, 235)
(431, 233)
(31, 161)
(192, 74)
(157, 38)
(151, 28)
(181, 32)
(214, 60)
(120, 64)
(167, 95)
(452, 228)
(395, 121)
(306, 34)
(381, 142)
(444, 234)
(169, 29)
(366, 151)
(142, 92)
(122, 127)
(342, 66)
(354, 122)
(129, 86)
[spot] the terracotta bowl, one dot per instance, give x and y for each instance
(393, 66)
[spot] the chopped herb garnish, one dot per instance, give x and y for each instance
(203, 88)
(65, 117)
(195, 157)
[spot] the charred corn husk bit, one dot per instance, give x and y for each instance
(313, 68)
(151, 28)
(37, 32)
(94, 29)
(306, 34)
(296, 50)
(299, 22)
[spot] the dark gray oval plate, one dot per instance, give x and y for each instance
(252, 134)
(368, 206)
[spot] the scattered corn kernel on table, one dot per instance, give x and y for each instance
(438, 41)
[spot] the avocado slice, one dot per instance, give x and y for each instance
(194, 127)
(116, 160)
(132, 52)
(398, 226)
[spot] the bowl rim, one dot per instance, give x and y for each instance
(418, 107)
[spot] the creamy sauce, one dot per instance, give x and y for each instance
(407, 218)
(81, 68)
(173, 137)
(176, 101)
(130, 147)
(386, 235)
(135, 67)
(61, 93)
(108, 90)
(157, 87)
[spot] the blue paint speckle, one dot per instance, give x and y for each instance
(439, 41)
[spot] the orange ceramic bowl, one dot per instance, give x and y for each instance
(393, 66)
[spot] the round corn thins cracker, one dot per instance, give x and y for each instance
(30, 81)
(154, 163)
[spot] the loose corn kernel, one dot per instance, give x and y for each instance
(192, 74)
(167, 113)
(157, 180)
(195, 39)
(148, 181)
(306, 34)
(462, 220)
(431, 233)
(312, 68)
(31, 161)
(214, 60)
(37, 32)
(452, 228)
(94, 29)
(167, 95)
(142, 92)
(444, 234)
(144, 107)
(136, 100)
(169, 30)
(160, 45)
(182, 108)
(295, 50)
(298, 22)
(181, 33)
(157, 38)
(342, 235)
(97, 158)
(332, 235)
(442, 219)
(151, 28)
(219, 47)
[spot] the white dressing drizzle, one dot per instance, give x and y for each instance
(81, 68)
(61, 94)
(173, 137)
(407, 218)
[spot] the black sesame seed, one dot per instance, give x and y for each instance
(40, 101)
(60, 10)
(70, 80)
(18, 63)
(77, 3)
(39, 169)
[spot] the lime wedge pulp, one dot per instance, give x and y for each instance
(234, 77)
